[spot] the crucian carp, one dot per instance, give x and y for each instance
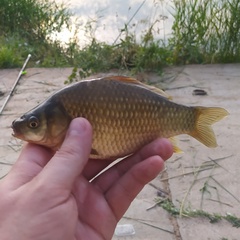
(125, 114)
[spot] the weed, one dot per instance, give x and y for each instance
(46, 19)
(72, 77)
(206, 31)
(233, 220)
(31, 19)
(6, 58)
(27, 27)
(212, 217)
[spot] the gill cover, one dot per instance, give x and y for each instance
(57, 121)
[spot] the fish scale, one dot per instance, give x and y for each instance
(124, 113)
(120, 126)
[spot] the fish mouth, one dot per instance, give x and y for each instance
(16, 132)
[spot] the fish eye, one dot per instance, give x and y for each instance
(33, 122)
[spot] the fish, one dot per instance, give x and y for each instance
(125, 115)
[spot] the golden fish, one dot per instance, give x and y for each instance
(125, 115)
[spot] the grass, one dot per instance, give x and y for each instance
(211, 190)
(26, 27)
(204, 31)
(189, 213)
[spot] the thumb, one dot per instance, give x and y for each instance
(69, 161)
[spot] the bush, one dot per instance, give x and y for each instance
(31, 19)
(29, 25)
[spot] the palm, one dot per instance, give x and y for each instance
(100, 202)
(95, 217)
(103, 201)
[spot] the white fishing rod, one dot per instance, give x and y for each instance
(15, 84)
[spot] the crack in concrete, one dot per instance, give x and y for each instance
(172, 219)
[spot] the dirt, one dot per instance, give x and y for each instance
(215, 189)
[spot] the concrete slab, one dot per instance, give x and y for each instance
(182, 178)
(222, 182)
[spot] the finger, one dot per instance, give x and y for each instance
(95, 166)
(69, 161)
(30, 162)
(161, 147)
(123, 192)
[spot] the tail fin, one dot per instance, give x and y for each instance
(205, 118)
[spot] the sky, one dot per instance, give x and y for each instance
(107, 17)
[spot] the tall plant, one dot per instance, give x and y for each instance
(206, 31)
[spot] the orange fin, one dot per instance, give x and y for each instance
(203, 131)
(135, 81)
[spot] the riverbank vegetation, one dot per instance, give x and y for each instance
(204, 31)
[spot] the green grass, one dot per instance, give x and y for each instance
(33, 20)
(167, 205)
(204, 31)
(26, 27)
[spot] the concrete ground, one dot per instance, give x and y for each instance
(199, 178)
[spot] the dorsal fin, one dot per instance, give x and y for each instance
(135, 81)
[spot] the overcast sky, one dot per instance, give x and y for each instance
(113, 14)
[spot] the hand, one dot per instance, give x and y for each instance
(48, 196)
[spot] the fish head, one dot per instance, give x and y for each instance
(30, 127)
(44, 125)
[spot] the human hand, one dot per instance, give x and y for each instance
(48, 196)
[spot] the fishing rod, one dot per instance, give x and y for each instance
(15, 84)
